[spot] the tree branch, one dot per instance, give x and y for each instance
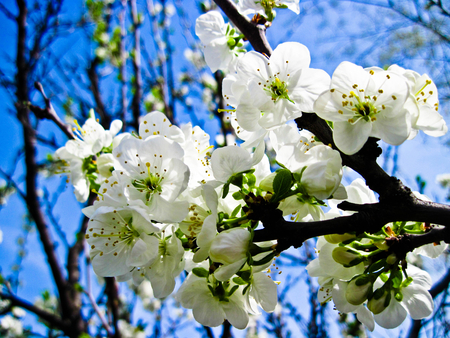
(135, 104)
(49, 112)
(69, 309)
(255, 34)
(52, 319)
(370, 218)
(7, 12)
(95, 88)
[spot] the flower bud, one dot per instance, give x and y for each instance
(336, 238)
(381, 245)
(391, 259)
(380, 301)
(359, 289)
(230, 246)
(347, 256)
(267, 183)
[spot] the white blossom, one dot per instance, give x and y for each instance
(268, 92)
(363, 103)
(212, 309)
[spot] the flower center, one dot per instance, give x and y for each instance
(150, 184)
(278, 90)
(125, 233)
(162, 247)
(363, 109)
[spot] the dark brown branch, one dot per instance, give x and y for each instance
(208, 331)
(168, 66)
(49, 112)
(112, 292)
(122, 65)
(69, 311)
(226, 333)
(95, 88)
(224, 127)
(32, 199)
(135, 104)
(370, 218)
(73, 268)
(7, 12)
(255, 34)
(364, 162)
(52, 319)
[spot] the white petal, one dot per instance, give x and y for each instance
(366, 317)
(288, 58)
(264, 290)
(418, 301)
(229, 160)
(350, 138)
(235, 314)
(392, 316)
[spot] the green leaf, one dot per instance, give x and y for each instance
(282, 183)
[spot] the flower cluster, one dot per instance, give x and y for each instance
(167, 202)
(172, 204)
(362, 276)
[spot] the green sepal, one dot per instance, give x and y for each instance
(281, 165)
(235, 211)
(233, 289)
(298, 176)
(387, 300)
(378, 265)
(363, 280)
(396, 278)
(239, 281)
(245, 275)
(406, 282)
(200, 272)
(251, 179)
(265, 260)
(226, 189)
(237, 180)
(237, 195)
(378, 293)
(179, 234)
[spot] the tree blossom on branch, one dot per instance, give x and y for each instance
(166, 202)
